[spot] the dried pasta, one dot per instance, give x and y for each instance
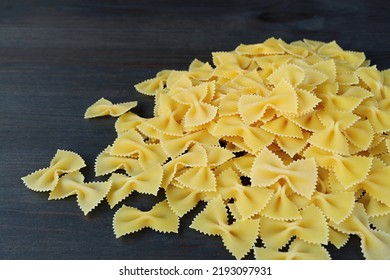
(238, 237)
(46, 179)
(298, 250)
(160, 218)
(89, 195)
(104, 107)
(287, 145)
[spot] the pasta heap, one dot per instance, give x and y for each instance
(287, 144)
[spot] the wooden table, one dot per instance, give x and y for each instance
(58, 57)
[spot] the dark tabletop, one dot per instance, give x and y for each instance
(58, 57)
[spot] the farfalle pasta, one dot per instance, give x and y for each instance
(298, 250)
(46, 179)
(104, 107)
(106, 163)
(89, 195)
(286, 145)
(238, 237)
(160, 218)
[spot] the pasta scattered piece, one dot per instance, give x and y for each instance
(311, 227)
(238, 237)
(106, 163)
(46, 179)
(104, 107)
(287, 145)
(147, 182)
(300, 175)
(160, 218)
(298, 250)
(375, 243)
(89, 195)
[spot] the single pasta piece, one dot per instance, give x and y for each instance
(46, 179)
(104, 107)
(89, 195)
(160, 218)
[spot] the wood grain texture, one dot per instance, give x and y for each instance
(58, 57)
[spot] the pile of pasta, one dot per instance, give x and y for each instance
(286, 144)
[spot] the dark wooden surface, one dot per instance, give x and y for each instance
(58, 57)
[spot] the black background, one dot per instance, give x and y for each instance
(59, 57)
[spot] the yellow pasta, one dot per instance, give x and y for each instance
(375, 243)
(106, 163)
(248, 201)
(280, 206)
(337, 238)
(300, 175)
(127, 121)
(89, 195)
(46, 179)
(311, 227)
(376, 184)
(131, 143)
(282, 99)
(182, 200)
(148, 182)
(104, 107)
(238, 237)
(160, 218)
(255, 138)
(336, 206)
(298, 250)
(175, 146)
(286, 143)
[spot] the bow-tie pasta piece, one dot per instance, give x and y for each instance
(280, 206)
(151, 86)
(291, 73)
(255, 138)
(104, 107)
(182, 200)
(175, 146)
(199, 111)
(349, 170)
(166, 123)
(248, 200)
(160, 218)
(301, 175)
(375, 244)
(196, 156)
(332, 138)
(146, 182)
(282, 98)
(200, 178)
(106, 163)
(46, 179)
(89, 195)
(377, 184)
(238, 237)
(374, 80)
(201, 71)
(312, 228)
(132, 144)
(282, 126)
(298, 250)
(271, 46)
(373, 207)
(127, 121)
